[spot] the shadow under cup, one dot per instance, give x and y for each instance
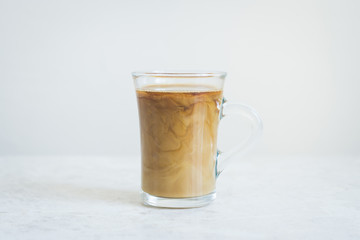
(179, 117)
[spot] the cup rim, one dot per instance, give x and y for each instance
(179, 74)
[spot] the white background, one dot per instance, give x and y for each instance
(66, 87)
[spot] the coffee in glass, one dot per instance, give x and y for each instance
(179, 117)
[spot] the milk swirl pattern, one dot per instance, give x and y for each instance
(178, 125)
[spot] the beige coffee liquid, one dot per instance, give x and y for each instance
(178, 126)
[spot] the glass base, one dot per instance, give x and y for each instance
(191, 202)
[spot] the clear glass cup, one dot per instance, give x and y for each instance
(179, 113)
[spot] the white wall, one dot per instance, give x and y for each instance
(65, 84)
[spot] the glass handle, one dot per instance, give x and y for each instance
(243, 110)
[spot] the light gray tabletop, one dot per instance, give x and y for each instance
(287, 197)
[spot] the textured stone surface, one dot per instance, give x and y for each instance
(258, 198)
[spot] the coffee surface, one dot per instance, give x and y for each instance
(178, 125)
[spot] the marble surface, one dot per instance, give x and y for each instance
(288, 197)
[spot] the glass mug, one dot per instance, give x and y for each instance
(179, 115)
